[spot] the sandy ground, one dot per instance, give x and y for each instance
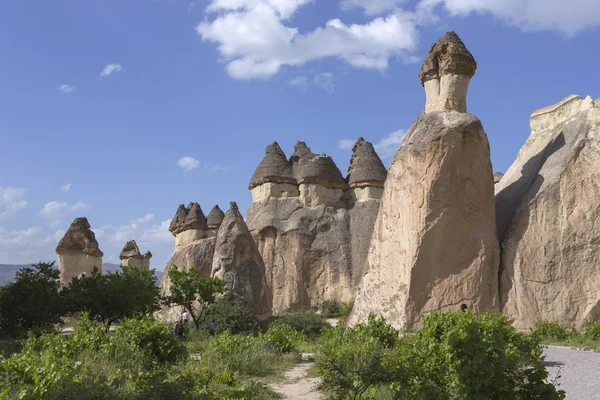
(296, 385)
(578, 371)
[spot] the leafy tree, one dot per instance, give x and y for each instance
(32, 302)
(232, 312)
(193, 292)
(113, 296)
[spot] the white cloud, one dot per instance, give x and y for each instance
(111, 69)
(12, 201)
(255, 42)
(388, 145)
(299, 82)
(145, 219)
(567, 17)
(19, 238)
(346, 144)
(66, 188)
(80, 206)
(188, 163)
(66, 88)
(324, 80)
(53, 212)
(372, 7)
(158, 234)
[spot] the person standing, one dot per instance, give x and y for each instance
(184, 317)
(212, 327)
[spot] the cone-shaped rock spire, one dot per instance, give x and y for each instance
(366, 167)
(186, 218)
(215, 217)
(273, 168)
(79, 238)
(308, 167)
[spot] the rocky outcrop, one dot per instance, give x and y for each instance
(237, 261)
(188, 225)
(78, 251)
(131, 257)
(497, 177)
(446, 73)
(215, 218)
(434, 245)
(547, 212)
(313, 233)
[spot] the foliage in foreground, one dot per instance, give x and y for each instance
(454, 356)
(561, 334)
(232, 313)
(283, 338)
(306, 321)
(32, 302)
(142, 360)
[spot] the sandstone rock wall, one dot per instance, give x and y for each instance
(547, 212)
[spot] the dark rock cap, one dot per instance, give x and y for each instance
(186, 218)
(215, 217)
(274, 167)
(148, 255)
(497, 177)
(308, 167)
(233, 206)
(130, 250)
(365, 166)
(79, 238)
(448, 56)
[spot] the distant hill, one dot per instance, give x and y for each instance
(8, 271)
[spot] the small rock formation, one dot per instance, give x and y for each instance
(131, 257)
(78, 251)
(312, 228)
(497, 177)
(215, 219)
(188, 225)
(446, 73)
(238, 262)
(547, 212)
(434, 245)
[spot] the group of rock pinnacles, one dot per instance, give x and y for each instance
(436, 230)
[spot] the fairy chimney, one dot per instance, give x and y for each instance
(78, 251)
(131, 257)
(188, 225)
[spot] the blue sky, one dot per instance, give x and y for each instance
(101, 100)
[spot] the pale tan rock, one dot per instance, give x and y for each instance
(78, 251)
(131, 257)
(547, 212)
(238, 262)
(498, 177)
(434, 245)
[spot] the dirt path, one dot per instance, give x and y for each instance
(578, 371)
(296, 384)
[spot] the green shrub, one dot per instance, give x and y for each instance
(353, 361)
(306, 321)
(331, 309)
(553, 332)
(245, 354)
(232, 313)
(283, 338)
(377, 328)
(347, 308)
(152, 337)
(465, 356)
(592, 331)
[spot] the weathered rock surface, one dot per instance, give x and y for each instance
(315, 250)
(434, 245)
(215, 218)
(237, 261)
(497, 177)
(547, 212)
(188, 218)
(131, 257)
(78, 251)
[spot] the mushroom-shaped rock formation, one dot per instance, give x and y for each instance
(215, 218)
(497, 177)
(446, 73)
(238, 262)
(273, 177)
(366, 172)
(188, 225)
(434, 244)
(320, 180)
(78, 251)
(131, 257)
(547, 214)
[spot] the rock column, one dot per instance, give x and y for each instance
(78, 251)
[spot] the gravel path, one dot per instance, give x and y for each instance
(297, 385)
(578, 372)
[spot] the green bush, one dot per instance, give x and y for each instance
(553, 332)
(331, 309)
(592, 331)
(232, 313)
(347, 308)
(354, 361)
(283, 338)
(152, 337)
(307, 322)
(245, 354)
(377, 328)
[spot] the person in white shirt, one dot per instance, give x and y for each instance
(184, 316)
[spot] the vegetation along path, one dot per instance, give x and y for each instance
(297, 385)
(578, 371)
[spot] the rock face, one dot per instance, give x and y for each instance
(497, 177)
(312, 228)
(446, 73)
(238, 262)
(547, 212)
(78, 251)
(131, 257)
(434, 244)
